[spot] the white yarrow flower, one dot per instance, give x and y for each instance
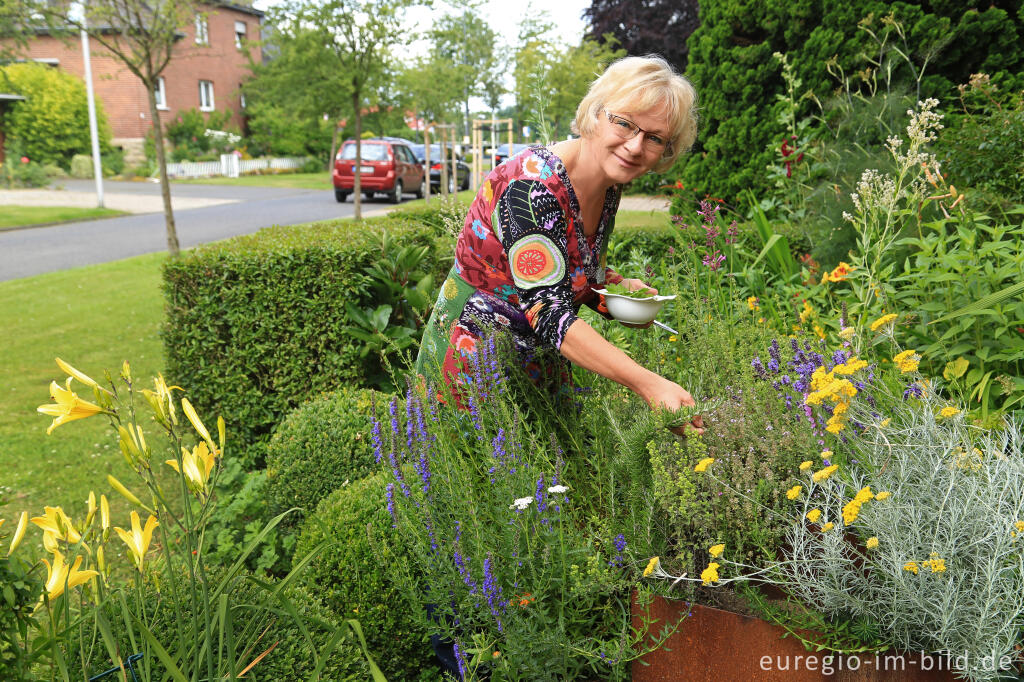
(521, 503)
(558, 489)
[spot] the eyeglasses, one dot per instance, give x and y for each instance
(627, 130)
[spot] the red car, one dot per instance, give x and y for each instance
(387, 167)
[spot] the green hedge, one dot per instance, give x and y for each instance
(349, 576)
(256, 324)
(318, 447)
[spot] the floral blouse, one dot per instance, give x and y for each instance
(523, 264)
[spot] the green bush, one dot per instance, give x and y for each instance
(257, 324)
(353, 583)
(732, 68)
(81, 166)
(318, 447)
(186, 134)
(52, 123)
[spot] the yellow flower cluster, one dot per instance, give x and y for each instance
(884, 495)
(852, 365)
(847, 333)
(948, 411)
(806, 313)
(825, 385)
(752, 303)
(872, 542)
(1018, 527)
(882, 321)
(716, 550)
(703, 465)
(907, 361)
(936, 564)
(710, 574)
(852, 508)
(911, 566)
(827, 527)
(794, 492)
(973, 461)
(823, 475)
(838, 274)
(814, 515)
(806, 464)
(651, 566)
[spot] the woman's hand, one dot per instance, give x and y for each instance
(668, 395)
(638, 285)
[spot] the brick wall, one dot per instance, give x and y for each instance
(124, 97)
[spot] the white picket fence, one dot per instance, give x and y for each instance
(231, 166)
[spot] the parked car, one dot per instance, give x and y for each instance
(463, 168)
(501, 152)
(387, 167)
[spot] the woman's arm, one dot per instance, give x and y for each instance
(583, 346)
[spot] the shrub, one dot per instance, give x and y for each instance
(52, 123)
(16, 172)
(187, 134)
(349, 575)
(257, 323)
(81, 166)
(318, 447)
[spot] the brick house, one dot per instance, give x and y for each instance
(210, 62)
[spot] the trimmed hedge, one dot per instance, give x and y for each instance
(349, 575)
(256, 324)
(318, 447)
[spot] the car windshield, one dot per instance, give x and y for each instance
(370, 152)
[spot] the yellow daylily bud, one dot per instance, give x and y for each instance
(101, 560)
(104, 512)
(196, 422)
(91, 509)
(126, 371)
(143, 448)
(68, 369)
(125, 493)
(220, 433)
(19, 533)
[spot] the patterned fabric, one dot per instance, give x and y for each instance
(522, 265)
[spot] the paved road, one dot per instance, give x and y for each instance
(34, 251)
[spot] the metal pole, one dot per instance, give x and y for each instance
(97, 163)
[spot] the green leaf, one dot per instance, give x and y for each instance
(984, 303)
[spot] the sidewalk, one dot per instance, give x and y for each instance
(644, 203)
(130, 203)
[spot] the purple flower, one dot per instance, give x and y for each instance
(378, 446)
(758, 367)
(492, 591)
(389, 492)
(460, 660)
(539, 494)
(914, 390)
(773, 365)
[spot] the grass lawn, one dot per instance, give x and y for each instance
(94, 318)
(286, 180)
(22, 216)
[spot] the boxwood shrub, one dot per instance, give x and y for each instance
(349, 576)
(318, 447)
(256, 324)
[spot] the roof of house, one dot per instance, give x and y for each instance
(5, 97)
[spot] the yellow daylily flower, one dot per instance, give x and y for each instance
(19, 533)
(50, 543)
(195, 466)
(66, 406)
(81, 376)
(161, 400)
(60, 576)
(197, 423)
(138, 540)
(55, 521)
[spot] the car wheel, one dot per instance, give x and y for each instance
(368, 195)
(396, 193)
(422, 191)
(451, 184)
(340, 196)
(465, 182)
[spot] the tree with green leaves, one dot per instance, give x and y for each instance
(141, 35)
(466, 43)
(357, 35)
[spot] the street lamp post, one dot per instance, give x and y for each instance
(97, 164)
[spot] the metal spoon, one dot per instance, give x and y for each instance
(665, 327)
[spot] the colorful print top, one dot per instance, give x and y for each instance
(524, 243)
(523, 265)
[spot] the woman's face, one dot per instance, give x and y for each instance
(620, 158)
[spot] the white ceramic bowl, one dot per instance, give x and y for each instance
(633, 310)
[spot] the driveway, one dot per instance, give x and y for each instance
(205, 213)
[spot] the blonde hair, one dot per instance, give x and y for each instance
(642, 84)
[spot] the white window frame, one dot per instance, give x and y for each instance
(206, 106)
(240, 35)
(202, 30)
(241, 96)
(161, 93)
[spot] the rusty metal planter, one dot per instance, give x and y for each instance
(714, 645)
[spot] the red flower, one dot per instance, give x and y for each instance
(24, 159)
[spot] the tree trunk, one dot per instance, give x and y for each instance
(161, 162)
(357, 187)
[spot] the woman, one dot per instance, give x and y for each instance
(533, 246)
